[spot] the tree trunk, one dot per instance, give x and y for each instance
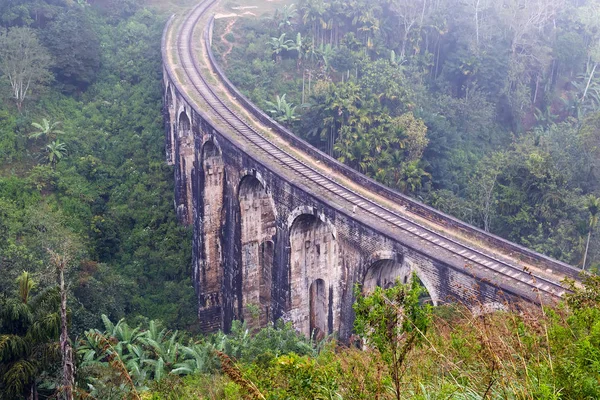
(537, 85)
(589, 82)
(587, 246)
(477, 23)
(303, 80)
(65, 344)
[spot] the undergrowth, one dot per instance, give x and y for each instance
(522, 352)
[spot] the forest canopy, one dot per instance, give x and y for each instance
(483, 109)
(488, 110)
(82, 157)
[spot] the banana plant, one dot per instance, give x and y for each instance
(281, 110)
(46, 128)
(55, 152)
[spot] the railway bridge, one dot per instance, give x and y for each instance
(282, 230)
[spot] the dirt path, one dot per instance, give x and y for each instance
(228, 29)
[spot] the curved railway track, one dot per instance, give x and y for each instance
(513, 275)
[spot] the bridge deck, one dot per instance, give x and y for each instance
(188, 61)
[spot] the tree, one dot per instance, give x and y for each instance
(285, 16)
(75, 48)
(483, 185)
(55, 152)
(411, 177)
(46, 128)
(313, 12)
(410, 15)
(299, 46)
(530, 56)
(593, 207)
(281, 110)
(587, 16)
(60, 262)
(29, 328)
(24, 62)
(280, 44)
(393, 321)
(414, 132)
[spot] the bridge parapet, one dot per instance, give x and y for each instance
(412, 205)
(275, 237)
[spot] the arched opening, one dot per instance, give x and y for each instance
(258, 227)
(185, 137)
(210, 151)
(184, 127)
(313, 258)
(318, 309)
(211, 274)
(170, 127)
(184, 166)
(386, 272)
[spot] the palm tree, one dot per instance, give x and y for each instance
(299, 46)
(341, 105)
(593, 206)
(56, 151)
(29, 329)
(412, 177)
(313, 12)
(46, 128)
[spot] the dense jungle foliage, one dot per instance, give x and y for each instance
(468, 108)
(83, 161)
(487, 110)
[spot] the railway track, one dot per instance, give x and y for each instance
(512, 274)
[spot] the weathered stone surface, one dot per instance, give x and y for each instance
(271, 241)
(265, 248)
(258, 231)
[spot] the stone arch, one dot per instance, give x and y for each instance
(258, 229)
(318, 309)
(211, 146)
(184, 125)
(418, 268)
(314, 255)
(170, 128)
(384, 273)
(184, 164)
(308, 210)
(384, 268)
(171, 95)
(254, 174)
(212, 181)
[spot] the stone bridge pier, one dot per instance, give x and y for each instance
(264, 248)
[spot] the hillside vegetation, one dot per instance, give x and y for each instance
(82, 160)
(488, 115)
(487, 110)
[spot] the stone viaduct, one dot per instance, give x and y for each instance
(283, 231)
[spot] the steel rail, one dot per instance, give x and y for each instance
(494, 265)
